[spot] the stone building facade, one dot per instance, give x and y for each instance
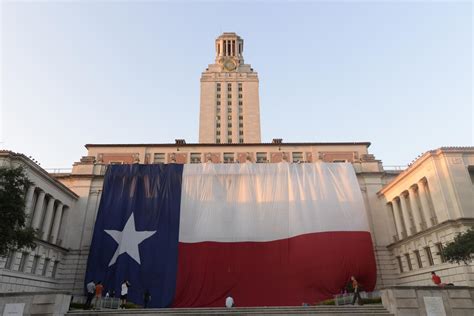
(411, 214)
(49, 204)
(429, 204)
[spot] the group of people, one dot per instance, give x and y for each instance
(96, 290)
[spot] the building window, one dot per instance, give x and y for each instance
(218, 95)
(241, 125)
(9, 262)
(219, 102)
(218, 125)
(241, 103)
(229, 87)
(34, 267)
(218, 87)
(218, 140)
(228, 157)
(429, 256)
(418, 259)
(297, 156)
(218, 132)
(240, 96)
(241, 140)
(229, 96)
(196, 157)
(218, 117)
(24, 257)
(241, 133)
(159, 158)
(261, 157)
(218, 109)
(229, 117)
(229, 103)
(229, 141)
(439, 246)
(471, 173)
(241, 118)
(240, 87)
(229, 125)
(400, 265)
(339, 161)
(407, 256)
(229, 110)
(55, 268)
(45, 266)
(229, 133)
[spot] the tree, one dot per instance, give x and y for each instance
(461, 248)
(14, 234)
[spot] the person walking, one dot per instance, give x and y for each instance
(356, 287)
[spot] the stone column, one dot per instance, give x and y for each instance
(47, 219)
(398, 220)
(30, 194)
(56, 223)
(38, 211)
(425, 206)
(414, 208)
(406, 215)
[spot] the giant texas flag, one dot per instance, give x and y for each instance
(267, 234)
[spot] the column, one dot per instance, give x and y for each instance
(30, 194)
(56, 223)
(406, 215)
(398, 220)
(38, 211)
(425, 206)
(47, 219)
(414, 209)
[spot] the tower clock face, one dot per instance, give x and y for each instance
(229, 65)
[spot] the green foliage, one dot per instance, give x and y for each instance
(461, 249)
(327, 302)
(14, 234)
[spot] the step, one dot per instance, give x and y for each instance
(373, 310)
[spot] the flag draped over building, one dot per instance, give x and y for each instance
(268, 234)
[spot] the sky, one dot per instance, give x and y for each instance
(397, 74)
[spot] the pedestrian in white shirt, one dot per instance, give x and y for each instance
(124, 293)
(229, 302)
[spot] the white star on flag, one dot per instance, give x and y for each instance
(128, 240)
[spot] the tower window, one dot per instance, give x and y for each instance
(241, 124)
(218, 125)
(218, 102)
(229, 109)
(218, 88)
(229, 87)
(229, 117)
(240, 87)
(241, 133)
(229, 133)
(218, 140)
(240, 95)
(218, 133)
(241, 103)
(218, 95)
(229, 102)
(229, 96)
(229, 125)
(241, 140)
(229, 141)
(218, 117)
(241, 117)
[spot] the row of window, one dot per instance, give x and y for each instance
(35, 265)
(229, 87)
(261, 156)
(419, 262)
(229, 103)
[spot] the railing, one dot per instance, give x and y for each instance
(58, 170)
(395, 167)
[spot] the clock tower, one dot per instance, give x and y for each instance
(229, 109)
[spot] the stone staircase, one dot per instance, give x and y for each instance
(372, 310)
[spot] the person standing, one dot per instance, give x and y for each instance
(229, 302)
(124, 293)
(356, 287)
(98, 293)
(146, 298)
(90, 287)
